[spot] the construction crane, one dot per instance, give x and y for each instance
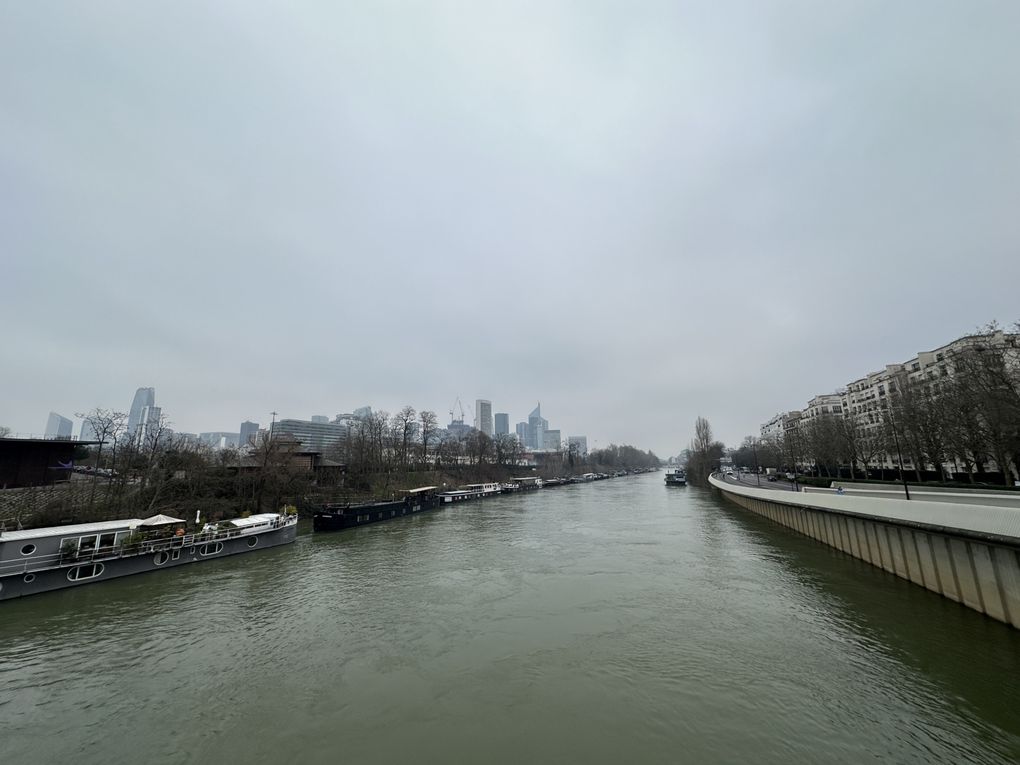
(457, 405)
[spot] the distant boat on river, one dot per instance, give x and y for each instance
(676, 477)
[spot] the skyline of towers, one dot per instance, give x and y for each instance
(145, 418)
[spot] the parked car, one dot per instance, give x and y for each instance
(790, 476)
(771, 477)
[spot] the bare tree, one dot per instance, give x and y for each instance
(705, 453)
(428, 425)
(403, 426)
(479, 447)
(507, 449)
(108, 427)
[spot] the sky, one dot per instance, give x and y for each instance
(635, 213)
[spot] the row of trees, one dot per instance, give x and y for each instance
(959, 421)
(615, 457)
(154, 470)
(413, 441)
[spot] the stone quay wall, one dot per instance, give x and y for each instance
(967, 553)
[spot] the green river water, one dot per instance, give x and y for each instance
(619, 621)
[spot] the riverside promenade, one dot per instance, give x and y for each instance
(966, 552)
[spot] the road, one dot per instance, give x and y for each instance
(749, 479)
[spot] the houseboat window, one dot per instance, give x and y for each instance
(161, 557)
(86, 544)
(29, 578)
(253, 541)
(176, 554)
(107, 540)
(78, 573)
(28, 549)
(211, 549)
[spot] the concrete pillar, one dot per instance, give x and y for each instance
(883, 544)
(960, 555)
(1007, 566)
(929, 573)
(944, 565)
(910, 553)
(898, 556)
(987, 582)
(876, 551)
(851, 533)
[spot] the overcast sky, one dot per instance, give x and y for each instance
(633, 212)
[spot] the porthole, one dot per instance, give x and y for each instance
(161, 557)
(253, 541)
(29, 578)
(28, 549)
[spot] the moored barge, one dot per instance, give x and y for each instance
(339, 516)
(40, 560)
(470, 491)
(676, 477)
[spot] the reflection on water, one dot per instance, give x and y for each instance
(602, 622)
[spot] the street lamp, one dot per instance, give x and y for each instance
(899, 454)
(754, 449)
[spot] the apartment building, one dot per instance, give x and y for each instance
(867, 399)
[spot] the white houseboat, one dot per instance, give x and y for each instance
(470, 491)
(40, 560)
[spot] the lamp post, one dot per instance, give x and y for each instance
(899, 454)
(757, 475)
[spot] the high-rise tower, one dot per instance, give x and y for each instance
(144, 397)
(537, 426)
(483, 416)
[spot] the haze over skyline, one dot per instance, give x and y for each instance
(633, 213)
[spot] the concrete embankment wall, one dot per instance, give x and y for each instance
(968, 553)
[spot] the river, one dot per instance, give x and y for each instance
(618, 621)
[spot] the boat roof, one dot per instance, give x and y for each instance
(421, 489)
(476, 485)
(161, 520)
(76, 529)
(253, 520)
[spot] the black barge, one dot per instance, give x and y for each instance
(340, 516)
